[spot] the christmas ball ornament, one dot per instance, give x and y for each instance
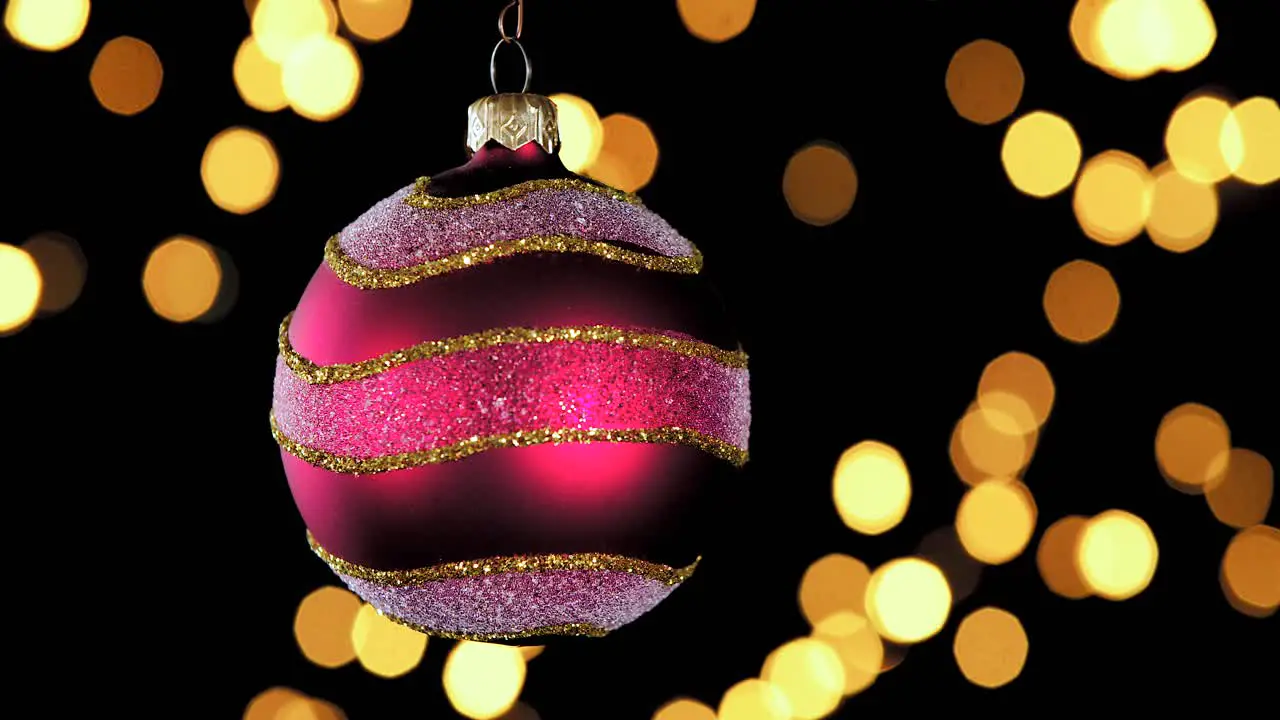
(507, 399)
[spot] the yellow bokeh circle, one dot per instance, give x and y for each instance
(908, 600)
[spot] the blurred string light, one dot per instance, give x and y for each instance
(319, 73)
(1251, 140)
(63, 268)
(1112, 199)
(1017, 375)
(860, 650)
(1133, 39)
(182, 279)
(581, 132)
(46, 24)
(1081, 301)
(374, 20)
(820, 183)
(984, 82)
(716, 21)
(996, 520)
(1194, 139)
(809, 673)
(530, 652)
(628, 155)
(1184, 212)
(871, 487)
(943, 548)
(126, 76)
(1242, 497)
(908, 600)
(323, 626)
(1250, 573)
(1191, 442)
(754, 699)
(684, 709)
(833, 584)
(240, 170)
(990, 647)
(321, 77)
(1041, 154)
(991, 442)
(483, 680)
(1056, 558)
(1117, 555)
(258, 78)
(20, 288)
(385, 648)
(282, 703)
(280, 26)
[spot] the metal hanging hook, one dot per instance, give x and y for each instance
(508, 39)
(502, 21)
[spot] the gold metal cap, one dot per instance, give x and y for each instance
(514, 120)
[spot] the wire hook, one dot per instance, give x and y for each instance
(502, 21)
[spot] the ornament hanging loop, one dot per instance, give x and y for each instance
(493, 64)
(502, 21)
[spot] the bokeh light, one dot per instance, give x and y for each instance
(996, 520)
(943, 548)
(581, 132)
(1023, 377)
(322, 626)
(859, 648)
(1251, 141)
(385, 648)
(1184, 212)
(1056, 557)
(1112, 199)
(716, 20)
(991, 442)
(820, 183)
(968, 473)
(483, 680)
(375, 20)
(530, 652)
(908, 600)
(628, 156)
(1251, 571)
(258, 78)
(832, 584)
(984, 82)
(182, 279)
(321, 77)
(1081, 301)
(1242, 497)
(309, 708)
(126, 76)
(1083, 27)
(1117, 555)
(754, 699)
(268, 704)
(1041, 154)
(281, 26)
(1193, 138)
(20, 288)
(63, 268)
(1191, 442)
(1136, 38)
(871, 487)
(240, 170)
(46, 24)
(990, 647)
(684, 709)
(809, 673)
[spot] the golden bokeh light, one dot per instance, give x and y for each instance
(1007, 412)
(754, 699)
(1112, 199)
(63, 268)
(1083, 27)
(1242, 497)
(990, 647)
(1136, 38)
(258, 78)
(1023, 377)
(321, 77)
(1081, 301)
(991, 443)
(908, 600)
(581, 132)
(20, 288)
(126, 76)
(302, 707)
(832, 584)
(268, 704)
(1251, 571)
(968, 473)
(530, 652)
(996, 520)
(1192, 441)
(385, 648)
(1250, 141)
(1040, 154)
(240, 170)
(46, 24)
(182, 279)
(628, 155)
(716, 20)
(1192, 34)
(894, 654)
(322, 626)
(1117, 555)
(281, 26)
(860, 649)
(1193, 138)
(984, 82)
(1184, 212)
(871, 487)
(375, 20)
(684, 709)
(483, 680)
(809, 673)
(820, 183)
(1056, 558)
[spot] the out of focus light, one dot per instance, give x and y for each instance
(1251, 141)
(1081, 301)
(1251, 571)
(628, 156)
(1112, 198)
(521, 711)
(1191, 443)
(281, 26)
(62, 270)
(1117, 555)
(530, 652)
(1184, 212)
(716, 20)
(1135, 38)
(894, 654)
(809, 673)
(968, 473)
(833, 584)
(990, 647)
(375, 20)
(483, 680)
(126, 76)
(943, 548)
(321, 77)
(860, 649)
(1023, 377)
(1084, 29)
(581, 132)
(908, 600)
(1242, 496)
(268, 704)
(684, 709)
(984, 82)
(20, 288)
(996, 520)
(385, 648)
(871, 487)
(1193, 139)
(182, 279)
(240, 170)
(309, 708)
(1056, 557)
(46, 24)
(754, 700)
(322, 626)
(258, 78)
(991, 443)
(1041, 154)
(820, 183)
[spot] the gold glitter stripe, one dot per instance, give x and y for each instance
(523, 438)
(367, 278)
(567, 630)
(420, 198)
(601, 334)
(482, 567)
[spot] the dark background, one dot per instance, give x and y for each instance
(156, 556)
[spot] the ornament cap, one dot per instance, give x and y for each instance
(513, 120)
